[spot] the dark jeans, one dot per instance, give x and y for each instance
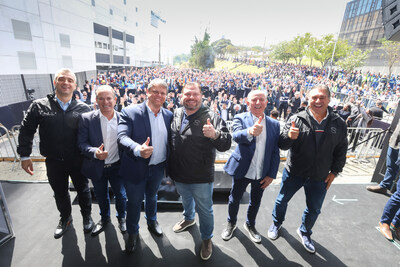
(283, 110)
(238, 188)
(315, 192)
(147, 190)
(110, 175)
(58, 172)
(392, 168)
(391, 212)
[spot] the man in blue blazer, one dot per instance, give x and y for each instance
(255, 161)
(97, 140)
(143, 134)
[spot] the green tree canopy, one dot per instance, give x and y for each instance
(391, 50)
(282, 51)
(354, 60)
(202, 53)
(220, 45)
(324, 48)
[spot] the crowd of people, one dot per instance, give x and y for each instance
(127, 128)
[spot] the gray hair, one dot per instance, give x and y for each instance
(157, 82)
(64, 71)
(252, 92)
(103, 88)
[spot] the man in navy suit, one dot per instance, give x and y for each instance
(97, 140)
(255, 161)
(143, 134)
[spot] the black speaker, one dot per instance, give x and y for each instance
(391, 19)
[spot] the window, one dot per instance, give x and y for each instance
(137, 24)
(117, 35)
(124, 2)
(64, 40)
(130, 38)
(125, 18)
(393, 10)
(104, 45)
(111, 11)
(396, 24)
(93, 3)
(137, 9)
(27, 60)
(128, 60)
(22, 30)
(102, 58)
(100, 29)
(118, 59)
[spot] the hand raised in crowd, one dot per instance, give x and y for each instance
(101, 154)
(27, 166)
(257, 128)
(208, 130)
(266, 182)
(293, 131)
(145, 149)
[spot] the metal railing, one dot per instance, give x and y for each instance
(365, 143)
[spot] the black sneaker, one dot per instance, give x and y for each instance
(228, 231)
(253, 234)
(62, 227)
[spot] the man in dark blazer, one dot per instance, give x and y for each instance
(143, 134)
(255, 161)
(97, 140)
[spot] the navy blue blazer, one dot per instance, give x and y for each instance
(239, 162)
(89, 139)
(133, 130)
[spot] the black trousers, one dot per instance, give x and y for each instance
(58, 172)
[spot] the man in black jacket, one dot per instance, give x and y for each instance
(317, 143)
(57, 116)
(196, 133)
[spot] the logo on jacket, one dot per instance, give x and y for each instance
(333, 130)
(196, 123)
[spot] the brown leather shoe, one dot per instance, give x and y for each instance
(396, 230)
(385, 230)
(377, 189)
(206, 249)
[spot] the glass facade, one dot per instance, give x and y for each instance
(362, 24)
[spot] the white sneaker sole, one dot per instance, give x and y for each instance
(186, 227)
(226, 238)
(301, 239)
(251, 237)
(274, 237)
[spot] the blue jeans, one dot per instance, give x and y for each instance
(391, 212)
(238, 188)
(315, 192)
(198, 197)
(391, 168)
(145, 190)
(101, 191)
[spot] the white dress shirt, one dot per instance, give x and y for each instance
(257, 162)
(109, 131)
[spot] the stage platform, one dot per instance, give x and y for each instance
(345, 234)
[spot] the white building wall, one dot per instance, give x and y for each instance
(74, 18)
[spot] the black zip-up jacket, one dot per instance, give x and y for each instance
(304, 158)
(192, 154)
(57, 129)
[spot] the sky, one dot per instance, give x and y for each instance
(248, 22)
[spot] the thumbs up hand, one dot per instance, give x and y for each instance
(293, 131)
(209, 131)
(145, 149)
(257, 128)
(101, 154)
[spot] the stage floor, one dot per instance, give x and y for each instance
(345, 234)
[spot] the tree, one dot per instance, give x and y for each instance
(220, 45)
(282, 51)
(178, 59)
(355, 60)
(324, 48)
(202, 54)
(391, 50)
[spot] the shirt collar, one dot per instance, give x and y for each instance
(149, 109)
(312, 115)
(104, 117)
(62, 103)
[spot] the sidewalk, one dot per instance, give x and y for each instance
(353, 172)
